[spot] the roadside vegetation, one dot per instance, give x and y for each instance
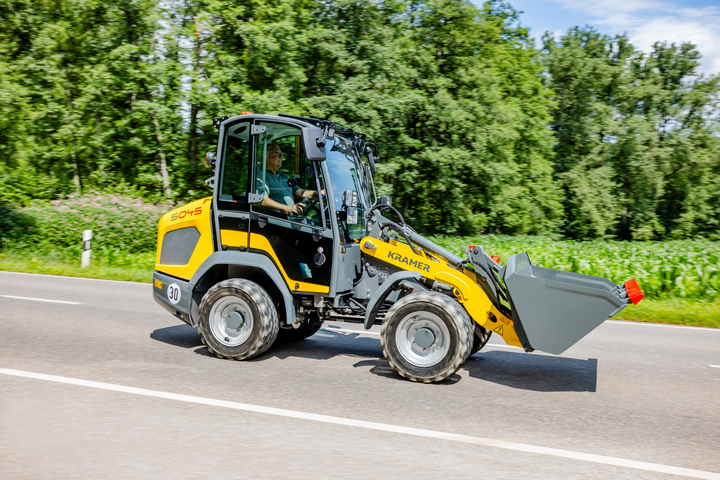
(680, 278)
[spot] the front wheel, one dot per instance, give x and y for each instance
(238, 319)
(426, 337)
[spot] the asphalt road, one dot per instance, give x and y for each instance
(628, 392)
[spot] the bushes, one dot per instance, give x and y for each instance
(119, 223)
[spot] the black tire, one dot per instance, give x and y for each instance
(481, 337)
(248, 302)
(306, 329)
(442, 320)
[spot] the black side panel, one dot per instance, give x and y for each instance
(178, 246)
(294, 247)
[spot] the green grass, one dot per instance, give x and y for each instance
(52, 266)
(675, 311)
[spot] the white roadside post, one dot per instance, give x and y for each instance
(87, 236)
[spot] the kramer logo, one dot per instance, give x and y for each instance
(413, 263)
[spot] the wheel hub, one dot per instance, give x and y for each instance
(424, 337)
(234, 320)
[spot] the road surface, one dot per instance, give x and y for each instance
(109, 385)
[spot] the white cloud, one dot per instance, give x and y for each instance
(650, 21)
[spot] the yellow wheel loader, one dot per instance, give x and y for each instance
(294, 233)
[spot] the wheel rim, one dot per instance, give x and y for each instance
(422, 339)
(231, 321)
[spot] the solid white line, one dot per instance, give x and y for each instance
(647, 324)
(77, 278)
(714, 366)
(41, 300)
(485, 442)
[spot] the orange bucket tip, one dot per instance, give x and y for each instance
(634, 292)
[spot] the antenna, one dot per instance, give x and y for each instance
(216, 99)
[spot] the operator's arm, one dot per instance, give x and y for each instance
(270, 203)
(311, 194)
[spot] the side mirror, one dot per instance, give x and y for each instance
(314, 143)
(210, 159)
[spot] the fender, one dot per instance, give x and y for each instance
(249, 260)
(377, 299)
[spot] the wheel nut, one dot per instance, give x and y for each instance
(227, 339)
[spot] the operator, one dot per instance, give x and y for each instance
(278, 195)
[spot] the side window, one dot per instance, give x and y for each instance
(284, 177)
(235, 168)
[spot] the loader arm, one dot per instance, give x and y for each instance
(465, 288)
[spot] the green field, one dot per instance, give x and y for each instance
(679, 278)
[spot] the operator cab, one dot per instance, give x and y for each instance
(262, 157)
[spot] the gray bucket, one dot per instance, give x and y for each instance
(553, 309)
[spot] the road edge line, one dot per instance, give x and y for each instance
(486, 442)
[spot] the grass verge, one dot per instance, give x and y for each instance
(672, 311)
(50, 266)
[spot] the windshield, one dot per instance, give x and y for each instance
(346, 173)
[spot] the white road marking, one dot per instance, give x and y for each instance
(148, 283)
(41, 300)
(714, 366)
(647, 324)
(345, 330)
(485, 442)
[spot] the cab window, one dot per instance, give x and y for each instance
(233, 180)
(284, 177)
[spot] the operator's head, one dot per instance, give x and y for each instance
(274, 157)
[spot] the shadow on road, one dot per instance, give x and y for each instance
(325, 345)
(382, 368)
(539, 373)
(183, 336)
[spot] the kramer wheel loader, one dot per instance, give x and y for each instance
(294, 233)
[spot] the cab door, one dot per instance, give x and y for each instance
(233, 186)
(300, 245)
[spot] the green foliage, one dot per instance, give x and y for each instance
(635, 150)
(106, 96)
(677, 268)
(119, 224)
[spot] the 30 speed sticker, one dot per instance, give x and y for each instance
(173, 293)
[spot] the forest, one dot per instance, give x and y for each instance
(480, 128)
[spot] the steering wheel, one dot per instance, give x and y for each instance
(309, 207)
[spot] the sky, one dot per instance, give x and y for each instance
(644, 21)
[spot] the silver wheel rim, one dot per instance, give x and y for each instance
(422, 339)
(231, 321)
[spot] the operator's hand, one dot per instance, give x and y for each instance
(296, 209)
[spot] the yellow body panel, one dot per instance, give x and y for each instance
(465, 287)
(195, 214)
(239, 239)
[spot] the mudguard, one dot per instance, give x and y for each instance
(254, 260)
(377, 299)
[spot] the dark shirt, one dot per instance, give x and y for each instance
(277, 188)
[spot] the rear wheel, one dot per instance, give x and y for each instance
(426, 336)
(238, 319)
(306, 329)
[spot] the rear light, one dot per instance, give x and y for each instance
(633, 291)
